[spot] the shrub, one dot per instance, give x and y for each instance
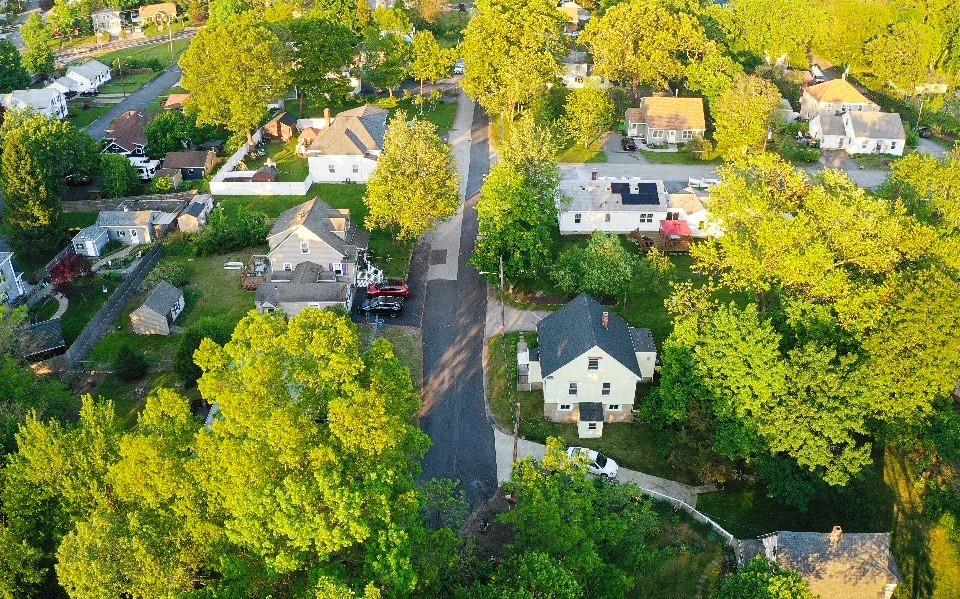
(174, 273)
(119, 176)
(231, 232)
(65, 272)
(161, 185)
(129, 364)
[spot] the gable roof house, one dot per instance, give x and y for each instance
(176, 101)
(127, 134)
(588, 363)
(578, 71)
(90, 241)
(874, 132)
(194, 216)
(89, 75)
(348, 149)
(12, 285)
(666, 119)
(158, 311)
(192, 164)
(314, 259)
(135, 227)
(833, 97)
(835, 565)
(48, 101)
(107, 20)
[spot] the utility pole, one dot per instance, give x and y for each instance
(511, 384)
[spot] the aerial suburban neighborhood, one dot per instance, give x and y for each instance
(520, 299)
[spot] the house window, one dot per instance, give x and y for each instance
(133, 232)
(592, 426)
(605, 389)
(865, 144)
(893, 145)
(686, 135)
(646, 217)
(304, 247)
(356, 168)
(593, 363)
(287, 267)
(122, 233)
(332, 168)
(656, 133)
(572, 390)
(614, 407)
(576, 218)
(565, 407)
(338, 270)
(606, 217)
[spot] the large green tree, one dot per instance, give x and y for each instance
(905, 55)
(745, 115)
(769, 30)
(416, 184)
(431, 61)
(324, 48)
(603, 267)
(12, 74)
(233, 70)
(763, 579)
(119, 177)
(512, 51)
(590, 113)
(38, 46)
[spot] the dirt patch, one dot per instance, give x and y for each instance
(491, 537)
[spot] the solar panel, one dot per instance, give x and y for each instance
(646, 193)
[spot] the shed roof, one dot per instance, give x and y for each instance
(576, 328)
(175, 101)
(642, 340)
(837, 91)
(186, 159)
(355, 132)
(91, 232)
(877, 125)
(163, 297)
(831, 124)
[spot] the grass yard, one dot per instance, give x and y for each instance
(127, 84)
(129, 397)
(409, 344)
(392, 257)
(578, 154)
(83, 114)
(875, 161)
(159, 51)
(292, 166)
(44, 310)
(85, 300)
(680, 157)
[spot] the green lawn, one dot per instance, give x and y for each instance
(680, 157)
(578, 154)
(392, 257)
(82, 116)
(292, 166)
(85, 300)
(409, 344)
(44, 310)
(129, 397)
(875, 161)
(159, 51)
(127, 84)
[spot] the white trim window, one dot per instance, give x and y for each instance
(287, 267)
(614, 407)
(577, 217)
(645, 217)
(606, 217)
(565, 407)
(331, 168)
(686, 135)
(593, 363)
(592, 426)
(573, 389)
(356, 169)
(656, 134)
(304, 247)
(605, 389)
(338, 269)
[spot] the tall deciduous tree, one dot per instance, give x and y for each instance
(589, 113)
(905, 55)
(644, 42)
(120, 178)
(744, 116)
(603, 267)
(167, 132)
(767, 30)
(416, 184)
(714, 74)
(233, 70)
(387, 59)
(431, 61)
(12, 74)
(512, 51)
(38, 46)
(324, 47)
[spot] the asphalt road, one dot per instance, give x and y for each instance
(138, 100)
(454, 413)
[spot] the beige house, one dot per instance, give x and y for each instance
(194, 216)
(666, 120)
(156, 315)
(835, 565)
(588, 364)
(833, 97)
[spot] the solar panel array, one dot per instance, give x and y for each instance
(646, 194)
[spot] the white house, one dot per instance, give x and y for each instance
(134, 227)
(12, 285)
(47, 101)
(90, 241)
(107, 20)
(578, 71)
(83, 78)
(666, 120)
(833, 97)
(623, 205)
(874, 132)
(348, 149)
(588, 364)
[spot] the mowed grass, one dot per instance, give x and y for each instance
(127, 84)
(292, 166)
(681, 157)
(86, 299)
(158, 51)
(82, 114)
(392, 257)
(576, 153)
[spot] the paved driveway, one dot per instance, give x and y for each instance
(138, 100)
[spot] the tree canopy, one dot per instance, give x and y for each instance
(12, 74)
(38, 44)
(745, 115)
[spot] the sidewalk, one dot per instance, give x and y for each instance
(515, 319)
(504, 444)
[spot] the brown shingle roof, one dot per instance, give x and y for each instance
(355, 132)
(668, 112)
(176, 101)
(837, 91)
(129, 130)
(188, 159)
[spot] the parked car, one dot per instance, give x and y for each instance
(628, 144)
(597, 463)
(924, 131)
(388, 306)
(77, 180)
(458, 67)
(396, 288)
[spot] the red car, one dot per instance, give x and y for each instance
(388, 289)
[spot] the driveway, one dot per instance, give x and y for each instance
(928, 146)
(138, 100)
(453, 411)
(616, 154)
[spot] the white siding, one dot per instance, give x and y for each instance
(343, 169)
(623, 382)
(622, 221)
(288, 251)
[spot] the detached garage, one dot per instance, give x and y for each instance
(159, 310)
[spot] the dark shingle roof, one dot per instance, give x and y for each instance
(163, 297)
(129, 130)
(316, 216)
(186, 159)
(642, 340)
(353, 132)
(577, 327)
(36, 339)
(591, 411)
(305, 285)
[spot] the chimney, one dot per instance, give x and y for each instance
(835, 535)
(605, 319)
(326, 117)
(593, 175)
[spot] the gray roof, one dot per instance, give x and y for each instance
(577, 327)
(859, 565)
(318, 218)
(39, 338)
(91, 232)
(877, 125)
(162, 298)
(353, 132)
(591, 411)
(195, 208)
(642, 340)
(307, 283)
(4, 256)
(124, 218)
(90, 69)
(832, 124)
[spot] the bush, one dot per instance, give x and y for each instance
(207, 328)
(913, 138)
(129, 364)
(174, 273)
(65, 272)
(793, 152)
(231, 232)
(119, 176)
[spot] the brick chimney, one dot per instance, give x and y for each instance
(326, 117)
(835, 535)
(605, 319)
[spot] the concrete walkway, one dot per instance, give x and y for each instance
(515, 319)
(62, 307)
(504, 445)
(123, 253)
